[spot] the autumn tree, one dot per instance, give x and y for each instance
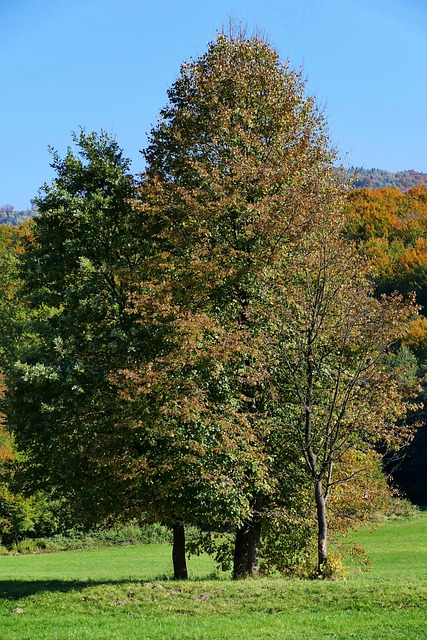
(390, 229)
(339, 394)
(12, 240)
(18, 513)
(239, 178)
(237, 168)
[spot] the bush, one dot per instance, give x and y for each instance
(130, 533)
(26, 546)
(401, 508)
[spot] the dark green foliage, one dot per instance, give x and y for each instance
(60, 398)
(408, 467)
(409, 471)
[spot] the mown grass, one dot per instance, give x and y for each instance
(124, 593)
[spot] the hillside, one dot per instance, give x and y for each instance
(9, 215)
(378, 178)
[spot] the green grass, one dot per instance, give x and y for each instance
(398, 548)
(123, 593)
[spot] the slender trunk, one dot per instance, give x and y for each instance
(322, 530)
(178, 553)
(246, 550)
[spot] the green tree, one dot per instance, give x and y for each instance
(76, 327)
(77, 423)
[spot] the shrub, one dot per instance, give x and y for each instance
(130, 533)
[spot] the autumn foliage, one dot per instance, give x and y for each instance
(390, 227)
(201, 346)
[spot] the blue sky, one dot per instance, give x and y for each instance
(107, 64)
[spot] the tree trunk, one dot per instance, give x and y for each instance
(178, 553)
(322, 530)
(246, 550)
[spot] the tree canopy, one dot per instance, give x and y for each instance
(76, 328)
(201, 347)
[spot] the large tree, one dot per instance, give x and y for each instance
(68, 406)
(76, 328)
(237, 168)
(244, 198)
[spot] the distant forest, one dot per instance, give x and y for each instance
(378, 178)
(9, 215)
(362, 178)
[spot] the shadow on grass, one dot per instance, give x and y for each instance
(16, 589)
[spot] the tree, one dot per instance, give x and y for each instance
(239, 178)
(237, 168)
(76, 328)
(67, 405)
(339, 394)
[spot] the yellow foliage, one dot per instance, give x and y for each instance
(361, 490)
(416, 336)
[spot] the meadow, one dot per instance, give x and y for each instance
(126, 593)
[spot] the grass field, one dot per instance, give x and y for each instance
(124, 593)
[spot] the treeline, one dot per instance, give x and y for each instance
(390, 228)
(200, 345)
(359, 178)
(9, 215)
(378, 178)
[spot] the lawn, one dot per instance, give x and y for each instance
(124, 593)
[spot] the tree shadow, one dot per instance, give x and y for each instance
(17, 589)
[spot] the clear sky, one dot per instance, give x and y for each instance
(107, 64)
